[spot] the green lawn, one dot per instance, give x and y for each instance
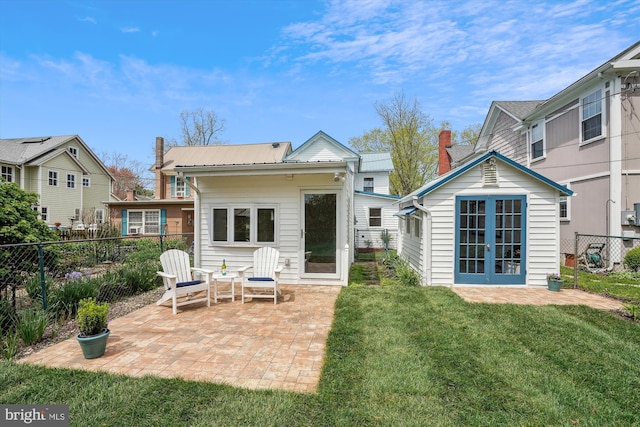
(397, 356)
(624, 286)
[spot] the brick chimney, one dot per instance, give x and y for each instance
(159, 187)
(444, 161)
(131, 195)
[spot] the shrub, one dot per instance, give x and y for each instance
(632, 259)
(7, 315)
(92, 316)
(8, 345)
(34, 288)
(32, 325)
(406, 274)
(64, 299)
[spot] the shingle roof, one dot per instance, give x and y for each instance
(21, 150)
(375, 162)
(459, 152)
(518, 109)
(219, 155)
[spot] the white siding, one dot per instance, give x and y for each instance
(269, 190)
(372, 234)
(542, 254)
(380, 181)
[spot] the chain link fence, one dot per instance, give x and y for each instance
(600, 254)
(47, 280)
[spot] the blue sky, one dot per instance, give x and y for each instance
(118, 73)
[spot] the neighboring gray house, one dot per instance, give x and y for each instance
(69, 178)
(586, 137)
(374, 207)
(490, 221)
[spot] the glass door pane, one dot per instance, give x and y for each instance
(319, 233)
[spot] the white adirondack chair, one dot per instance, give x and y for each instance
(179, 280)
(263, 274)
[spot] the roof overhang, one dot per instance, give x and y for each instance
(406, 211)
(146, 203)
(263, 169)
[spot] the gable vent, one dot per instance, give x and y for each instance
(490, 172)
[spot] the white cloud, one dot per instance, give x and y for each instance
(130, 30)
(88, 19)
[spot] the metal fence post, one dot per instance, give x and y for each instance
(161, 248)
(575, 261)
(43, 283)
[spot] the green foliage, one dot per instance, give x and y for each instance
(64, 299)
(92, 316)
(406, 275)
(8, 344)
(7, 315)
(33, 286)
(19, 223)
(32, 325)
(632, 259)
(633, 309)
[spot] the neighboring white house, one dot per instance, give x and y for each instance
(490, 221)
(374, 206)
(69, 178)
(301, 202)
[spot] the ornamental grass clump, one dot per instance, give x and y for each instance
(92, 317)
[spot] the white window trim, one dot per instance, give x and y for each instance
(541, 124)
(142, 229)
(99, 212)
(417, 226)
(44, 216)
(364, 182)
(568, 217)
(180, 187)
(71, 181)
(57, 178)
(10, 173)
(73, 151)
(369, 217)
(87, 180)
(603, 115)
(253, 227)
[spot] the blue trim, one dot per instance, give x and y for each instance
(489, 276)
(421, 192)
(190, 283)
(123, 222)
(387, 196)
(406, 211)
(260, 279)
(163, 221)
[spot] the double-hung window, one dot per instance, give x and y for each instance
(53, 178)
(44, 213)
(565, 207)
(244, 225)
(368, 185)
(71, 180)
(7, 173)
(73, 151)
(591, 116)
(375, 217)
(143, 221)
(537, 140)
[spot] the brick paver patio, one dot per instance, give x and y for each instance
(254, 345)
(535, 296)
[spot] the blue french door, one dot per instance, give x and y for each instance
(490, 246)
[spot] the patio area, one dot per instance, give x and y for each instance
(255, 345)
(535, 296)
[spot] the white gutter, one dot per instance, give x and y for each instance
(426, 235)
(196, 220)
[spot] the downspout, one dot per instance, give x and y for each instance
(426, 235)
(196, 219)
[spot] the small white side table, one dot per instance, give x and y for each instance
(227, 278)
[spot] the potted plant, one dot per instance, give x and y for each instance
(554, 282)
(92, 321)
